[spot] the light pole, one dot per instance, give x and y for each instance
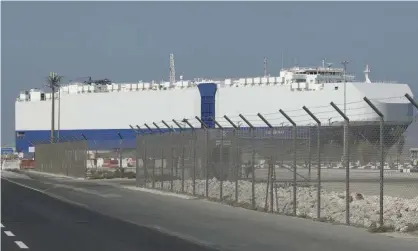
(53, 81)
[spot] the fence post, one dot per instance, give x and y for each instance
(136, 159)
(382, 156)
(318, 122)
(183, 142)
(136, 155)
(183, 157)
(162, 154)
(347, 162)
(413, 102)
(133, 129)
(194, 160)
(221, 166)
(294, 160)
(144, 152)
(310, 155)
(172, 154)
(252, 160)
(140, 129)
(271, 167)
(171, 147)
(206, 128)
(85, 138)
(120, 152)
(237, 157)
(152, 156)
(137, 179)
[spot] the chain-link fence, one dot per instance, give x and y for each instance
(85, 158)
(354, 172)
(66, 158)
(271, 170)
(111, 158)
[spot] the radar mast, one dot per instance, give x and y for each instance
(366, 74)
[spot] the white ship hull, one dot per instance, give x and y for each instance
(101, 116)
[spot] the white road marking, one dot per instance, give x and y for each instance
(158, 192)
(9, 233)
(1, 224)
(21, 245)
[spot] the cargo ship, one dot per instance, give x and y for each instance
(103, 112)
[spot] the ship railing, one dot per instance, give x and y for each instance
(192, 84)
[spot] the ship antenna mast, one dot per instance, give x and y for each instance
(172, 70)
(265, 67)
(366, 74)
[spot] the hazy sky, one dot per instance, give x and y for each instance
(129, 41)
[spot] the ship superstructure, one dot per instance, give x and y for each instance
(296, 78)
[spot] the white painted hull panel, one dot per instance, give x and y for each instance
(117, 110)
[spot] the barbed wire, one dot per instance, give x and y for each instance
(301, 117)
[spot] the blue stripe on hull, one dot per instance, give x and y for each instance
(107, 139)
(103, 139)
(99, 139)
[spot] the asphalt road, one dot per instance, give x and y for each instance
(44, 223)
(199, 221)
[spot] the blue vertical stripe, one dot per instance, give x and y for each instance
(207, 103)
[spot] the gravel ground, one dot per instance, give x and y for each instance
(400, 213)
